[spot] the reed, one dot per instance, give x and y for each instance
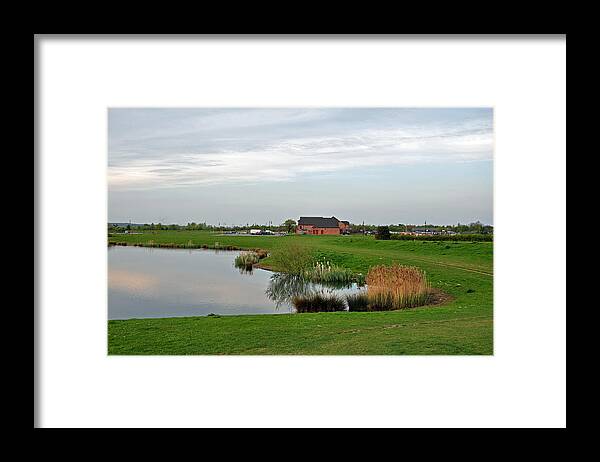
(326, 273)
(318, 302)
(246, 260)
(395, 287)
(360, 279)
(358, 301)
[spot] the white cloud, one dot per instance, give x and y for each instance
(269, 146)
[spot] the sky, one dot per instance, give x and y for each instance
(245, 166)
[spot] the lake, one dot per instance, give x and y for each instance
(145, 282)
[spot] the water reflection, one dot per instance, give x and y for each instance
(158, 282)
(283, 287)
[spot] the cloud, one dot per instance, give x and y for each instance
(249, 146)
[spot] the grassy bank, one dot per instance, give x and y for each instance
(462, 326)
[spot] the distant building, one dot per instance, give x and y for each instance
(425, 231)
(321, 225)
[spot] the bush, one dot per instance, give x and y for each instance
(383, 233)
(293, 258)
(318, 302)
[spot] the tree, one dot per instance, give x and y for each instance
(383, 233)
(290, 225)
(476, 227)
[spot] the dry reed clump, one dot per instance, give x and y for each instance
(261, 253)
(395, 287)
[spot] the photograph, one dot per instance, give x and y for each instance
(264, 231)
(300, 230)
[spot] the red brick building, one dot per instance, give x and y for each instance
(321, 225)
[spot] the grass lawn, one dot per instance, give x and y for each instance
(464, 325)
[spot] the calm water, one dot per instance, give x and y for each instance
(152, 282)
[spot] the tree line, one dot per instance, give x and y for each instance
(116, 228)
(472, 228)
(289, 226)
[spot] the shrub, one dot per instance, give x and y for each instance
(318, 302)
(358, 302)
(383, 233)
(293, 258)
(395, 287)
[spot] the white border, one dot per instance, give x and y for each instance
(523, 384)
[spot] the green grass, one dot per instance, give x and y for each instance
(463, 270)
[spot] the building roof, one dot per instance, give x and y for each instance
(319, 222)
